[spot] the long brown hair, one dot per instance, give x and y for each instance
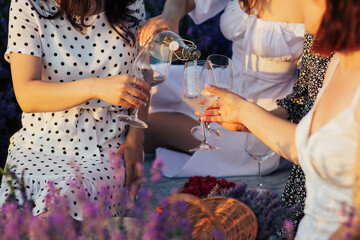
(247, 5)
(117, 13)
(340, 27)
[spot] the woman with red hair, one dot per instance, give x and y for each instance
(326, 142)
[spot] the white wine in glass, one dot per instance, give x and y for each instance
(258, 151)
(152, 70)
(196, 75)
(222, 69)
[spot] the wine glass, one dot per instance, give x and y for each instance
(153, 70)
(222, 68)
(259, 152)
(196, 75)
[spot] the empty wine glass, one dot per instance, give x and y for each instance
(259, 151)
(222, 68)
(153, 70)
(196, 75)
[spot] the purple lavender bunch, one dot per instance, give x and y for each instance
(168, 222)
(348, 214)
(267, 207)
(111, 215)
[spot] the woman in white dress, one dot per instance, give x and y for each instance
(267, 41)
(326, 142)
(70, 69)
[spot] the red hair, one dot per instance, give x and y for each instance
(340, 27)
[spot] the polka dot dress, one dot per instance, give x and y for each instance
(84, 134)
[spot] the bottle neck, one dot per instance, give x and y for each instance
(191, 53)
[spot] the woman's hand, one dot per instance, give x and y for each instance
(226, 111)
(155, 25)
(131, 151)
(121, 90)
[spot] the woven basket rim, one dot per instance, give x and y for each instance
(234, 218)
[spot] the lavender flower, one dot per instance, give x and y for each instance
(155, 170)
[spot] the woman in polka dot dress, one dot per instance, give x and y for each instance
(71, 65)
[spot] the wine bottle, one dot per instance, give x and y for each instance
(169, 45)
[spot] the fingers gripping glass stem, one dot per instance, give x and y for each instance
(133, 119)
(153, 70)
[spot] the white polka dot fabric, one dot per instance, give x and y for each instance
(84, 134)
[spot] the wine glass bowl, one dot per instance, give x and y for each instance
(196, 75)
(153, 70)
(222, 70)
(258, 151)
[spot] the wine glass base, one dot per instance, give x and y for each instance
(203, 147)
(260, 189)
(135, 122)
(209, 134)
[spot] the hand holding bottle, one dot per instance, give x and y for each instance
(155, 25)
(173, 11)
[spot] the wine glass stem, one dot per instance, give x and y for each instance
(259, 173)
(207, 126)
(203, 129)
(135, 113)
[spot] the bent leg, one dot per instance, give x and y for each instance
(169, 130)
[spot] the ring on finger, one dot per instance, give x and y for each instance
(218, 111)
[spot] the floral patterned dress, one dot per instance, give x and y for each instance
(298, 104)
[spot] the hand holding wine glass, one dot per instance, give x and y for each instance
(226, 110)
(196, 75)
(222, 68)
(153, 70)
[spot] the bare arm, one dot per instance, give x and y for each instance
(280, 112)
(36, 95)
(177, 9)
(274, 131)
(173, 12)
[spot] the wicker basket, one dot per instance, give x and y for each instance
(236, 218)
(229, 216)
(202, 219)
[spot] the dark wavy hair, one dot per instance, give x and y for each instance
(340, 27)
(117, 13)
(247, 5)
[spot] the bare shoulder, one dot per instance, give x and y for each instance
(280, 10)
(331, 67)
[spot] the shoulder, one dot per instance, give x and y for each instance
(331, 67)
(24, 9)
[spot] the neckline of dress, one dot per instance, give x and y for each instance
(311, 133)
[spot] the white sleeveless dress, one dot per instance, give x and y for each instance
(265, 57)
(328, 159)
